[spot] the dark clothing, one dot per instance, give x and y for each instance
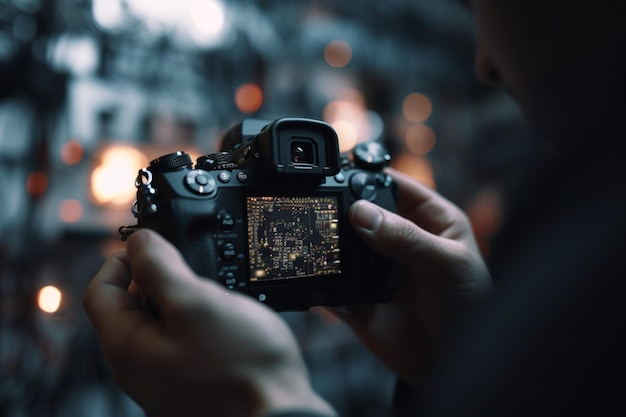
(551, 343)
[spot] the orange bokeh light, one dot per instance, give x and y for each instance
(338, 54)
(420, 139)
(417, 167)
(71, 152)
(70, 211)
(349, 119)
(36, 183)
(417, 108)
(248, 98)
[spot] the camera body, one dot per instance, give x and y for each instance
(268, 216)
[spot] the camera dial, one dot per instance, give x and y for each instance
(200, 181)
(371, 156)
(170, 162)
(216, 161)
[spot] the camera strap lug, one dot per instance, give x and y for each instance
(126, 230)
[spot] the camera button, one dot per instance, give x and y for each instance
(228, 251)
(224, 176)
(242, 176)
(384, 180)
(200, 182)
(226, 222)
(371, 156)
(230, 280)
(340, 177)
(363, 186)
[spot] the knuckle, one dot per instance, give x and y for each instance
(457, 216)
(402, 234)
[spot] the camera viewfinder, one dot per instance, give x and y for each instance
(302, 152)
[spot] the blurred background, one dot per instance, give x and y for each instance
(92, 90)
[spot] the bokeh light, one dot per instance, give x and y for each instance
(248, 98)
(200, 21)
(417, 167)
(205, 23)
(75, 53)
(420, 139)
(350, 119)
(111, 180)
(338, 54)
(347, 134)
(486, 215)
(156, 13)
(107, 14)
(416, 107)
(207, 16)
(36, 183)
(70, 211)
(72, 152)
(49, 299)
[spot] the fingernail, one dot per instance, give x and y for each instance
(366, 215)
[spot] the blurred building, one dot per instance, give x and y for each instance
(92, 90)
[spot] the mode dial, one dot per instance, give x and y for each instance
(215, 161)
(171, 162)
(371, 156)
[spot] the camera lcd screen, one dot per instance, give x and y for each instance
(293, 237)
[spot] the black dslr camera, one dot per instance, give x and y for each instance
(268, 216)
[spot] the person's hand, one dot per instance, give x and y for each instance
(443, 276)
(209, 353)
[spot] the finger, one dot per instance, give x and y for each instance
(106, 295)
(427, 208)
(118, 319)
(159, 269)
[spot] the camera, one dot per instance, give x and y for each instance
(267, 215)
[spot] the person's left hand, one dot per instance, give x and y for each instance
(443, 278)
(209, 353)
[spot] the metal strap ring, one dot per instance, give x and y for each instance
(143, 174)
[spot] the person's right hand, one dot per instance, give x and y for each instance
(208, 352)
(443, 276)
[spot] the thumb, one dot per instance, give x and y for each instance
(392, 235)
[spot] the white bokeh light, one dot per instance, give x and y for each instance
(49, 299)
(108, 14)
(208, 22)
(207, 16)
(110, 179)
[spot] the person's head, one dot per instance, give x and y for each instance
(564, 61)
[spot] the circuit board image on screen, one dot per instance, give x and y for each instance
(293, 237)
